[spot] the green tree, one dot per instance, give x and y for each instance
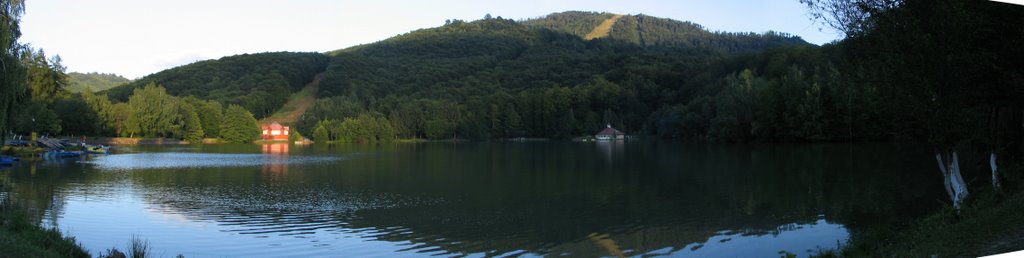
(210, 113)
(122, 114)
(192, 129)
(320, 134)
(104, 110)
(439, 129)
(46, 77)
(154, 113)
(13, 80)
(365, 128)
(34, 116)
(382, 129)
(294, 136)
(239, 125)
(76, 117)
(512, 126)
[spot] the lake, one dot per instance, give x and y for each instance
(479, 199)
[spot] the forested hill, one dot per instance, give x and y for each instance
(498, 78)
(259, 82)
(92, 82)
(653, 31)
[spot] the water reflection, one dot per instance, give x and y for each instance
(610, 150)
(183, 160)
(487, 198)
(275, 160)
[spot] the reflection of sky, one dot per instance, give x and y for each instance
(196, 160)
(821, 235)
(318, 220)
(318, 233)
(105, 223)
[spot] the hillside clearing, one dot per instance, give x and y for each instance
(297, 103)
(602, 30)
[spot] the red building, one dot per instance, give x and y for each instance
(274, 131)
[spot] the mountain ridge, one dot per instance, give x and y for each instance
(438, 80)
(94, 81)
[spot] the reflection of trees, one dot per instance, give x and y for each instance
(34, 187)
(555, 197)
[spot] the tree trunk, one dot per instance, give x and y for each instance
(995, 171)
(945, 175)
(954, 183)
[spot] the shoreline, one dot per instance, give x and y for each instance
(990, 223)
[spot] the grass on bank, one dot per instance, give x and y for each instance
(990, 223)
(21, 238)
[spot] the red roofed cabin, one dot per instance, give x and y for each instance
(609, 134)
(274, 132)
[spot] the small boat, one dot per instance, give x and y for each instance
(17, 143)
(57, 154)
(96, 149)
(7, 160)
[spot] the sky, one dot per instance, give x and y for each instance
(134, 38)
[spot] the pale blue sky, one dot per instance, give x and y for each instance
(134, 38)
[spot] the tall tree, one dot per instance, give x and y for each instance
(76, 117)
(47, 78)
(104, 110)
(955, 81)
(154, 113)
(239, 125)
(210, 114)
(12, 81)
(34, 116)
(191, 126)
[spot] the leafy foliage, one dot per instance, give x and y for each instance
(12, 75)
(573, 22)
(259, 82)
(34, 116)
(210, 113)
(93, 82)
(46, 76)
(239, 125)
(647, 30)
(154, 112)
(500, 78)
(73, 119)
(192, 130)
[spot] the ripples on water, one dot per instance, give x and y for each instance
(199, 160)
(457, 200)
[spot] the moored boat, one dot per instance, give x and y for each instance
(7, 160)
(96, 149)
(57, 154)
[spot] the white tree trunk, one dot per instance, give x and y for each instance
(945, 176)
(959, 186)
(952, 180)
(995, 170)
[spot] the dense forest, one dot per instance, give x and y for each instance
(259, 82)
(93, 82)
(650, 31)
(498, 78)
(947, 73)
(43, 104)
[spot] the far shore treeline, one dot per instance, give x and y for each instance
(497, 78)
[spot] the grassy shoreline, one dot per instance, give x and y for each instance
(21, 238)
(990, 223)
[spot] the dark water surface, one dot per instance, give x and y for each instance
(478, 199)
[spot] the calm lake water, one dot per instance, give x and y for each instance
(478, 199)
